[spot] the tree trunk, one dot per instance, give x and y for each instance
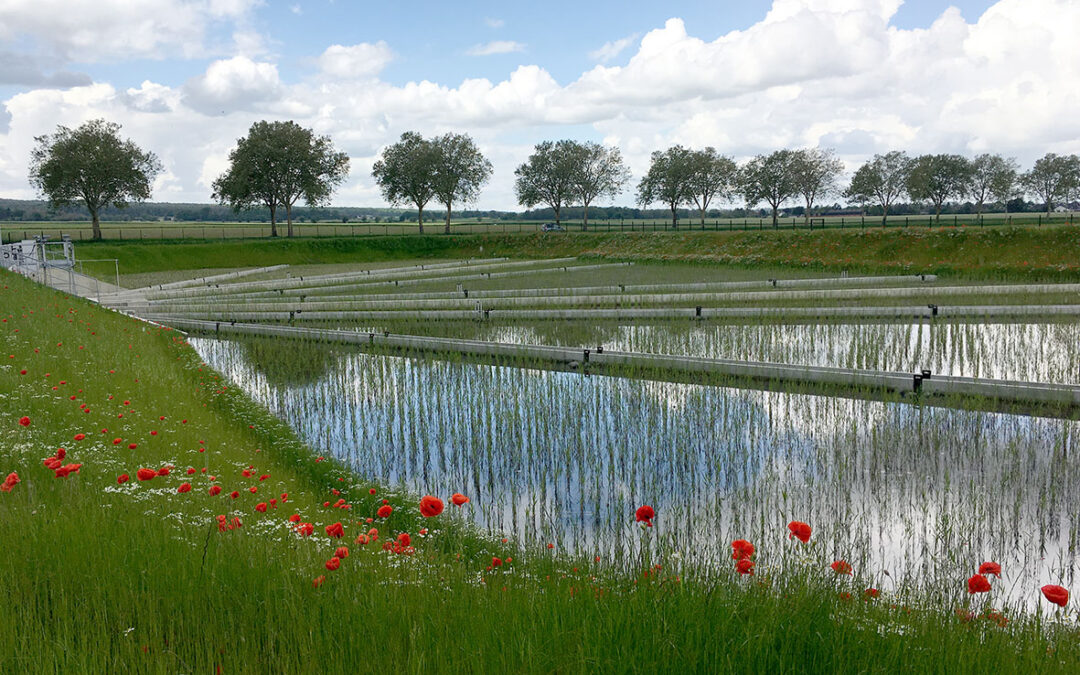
(557, 211)
(420, 216)
(95, 224)
(674, 217)
(978, 207)
(806, 216)
(703, 219)
(288, 216)
(447, 230)
(937, 213)
(884, 214)
(273, 220)
(585, 220)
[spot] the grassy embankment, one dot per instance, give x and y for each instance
(994, 253)
(103, 577)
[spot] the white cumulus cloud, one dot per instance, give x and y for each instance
(356, 61)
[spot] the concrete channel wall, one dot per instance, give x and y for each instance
(1003, 312)
(631, 288)
(347, 277)
(213, 279)
(223, 304)
(923, 382)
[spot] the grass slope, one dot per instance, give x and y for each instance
(103, 577)
(1006, 252)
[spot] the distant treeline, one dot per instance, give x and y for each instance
(15, 210)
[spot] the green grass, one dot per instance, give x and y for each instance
(1012, 253)
(136, 578)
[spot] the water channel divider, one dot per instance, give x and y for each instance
(304, 304)
(916, 385)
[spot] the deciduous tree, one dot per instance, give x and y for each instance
(406, 172)
(547, 177)
(1052, 177)
(938, 178)
(278, 163)
(770, 178)
(817, 172)
(598, 172)
(460, 171)
(92, 164)
(992, 177)
(712, 175)
(881, 180)
(668, 180)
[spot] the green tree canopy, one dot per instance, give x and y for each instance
(460, 171)
(91, 164)
(276, 164)
(1052, 178)
(882, 180)
(598, 172)
(770, 178)
(406, 172)
(712, 175)
(938, 178)
(547, 176)
(817, 172)
(668, 180)
(992, 177)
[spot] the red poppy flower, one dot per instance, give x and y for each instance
(190, 471)
(871, 593)
(371, 491)
(341, 552)
(978, 584)
(741, 550)
(745, 566)
(215, 490)
(234, 494)
(333, 563)
(122, 478)
(990, 568)
(9, 482)
(261, 507)
(163, 471)
(117, 441)
(551, 545)
(305, 529)
(430, 506)
(184, 487)
(145, 474)
(318, 581)
(132, 446)
(841, 567)
(335, 530)
(384, 511)
(799, 530)
(645, 514)
(404, 539)
(24, 421)
(459, 499)
(1058, 595)
(496, 562)
(253, 489)
(80, 437)
(362, 540)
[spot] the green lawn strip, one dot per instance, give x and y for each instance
(101, 577)
(985, 253)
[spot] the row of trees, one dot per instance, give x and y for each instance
(415, 170)
(681, 177)
(279, 163)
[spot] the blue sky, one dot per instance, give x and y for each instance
(187, 77)
(430, 40)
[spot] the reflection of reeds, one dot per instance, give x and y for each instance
(550, 456)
